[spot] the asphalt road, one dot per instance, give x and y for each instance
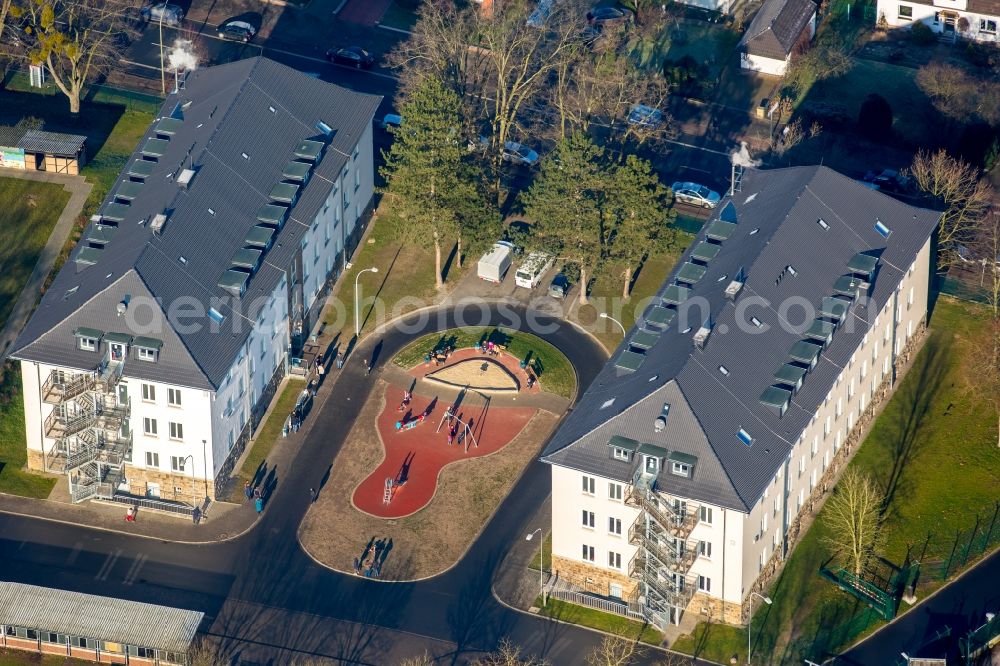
(267, 600)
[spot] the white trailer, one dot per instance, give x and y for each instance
(494, 264)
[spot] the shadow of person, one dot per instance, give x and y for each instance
(376, 352)
(404, 470)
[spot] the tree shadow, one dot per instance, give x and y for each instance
(451, 259)
(381, 286)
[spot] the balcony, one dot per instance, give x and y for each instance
(58, 388)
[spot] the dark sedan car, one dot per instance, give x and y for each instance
(559, 287)
(352, 56)
(599, 17)
(237, 31)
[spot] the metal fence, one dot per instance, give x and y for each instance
(972, 544)
(607, 605)
(152, 504)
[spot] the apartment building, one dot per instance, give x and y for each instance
(971, 19)
(678, 480)
(158, 346)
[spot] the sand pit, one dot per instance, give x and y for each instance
(481, 374)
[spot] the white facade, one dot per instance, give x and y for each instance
(773, 66)
(960, 17)
(735, 547)
(182, 437)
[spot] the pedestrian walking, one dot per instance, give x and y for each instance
(247, 491)
(451, 438)
(368, 367)
(256, 494)
(313, 387)
(259, 504)
(312, 495)
(130, 515)
(319, 373)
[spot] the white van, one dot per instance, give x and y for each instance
(531, 271)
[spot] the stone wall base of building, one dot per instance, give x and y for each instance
(173, 487)
(36, 461)
(592, 578)
(715, 609)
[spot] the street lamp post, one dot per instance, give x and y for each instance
(766, 600)
(204, 458)
(541, 561)
(191, 456)
(357, 304)
(605, 315)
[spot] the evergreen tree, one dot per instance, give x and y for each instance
(565, 204)
(639, 205)
(432, 189)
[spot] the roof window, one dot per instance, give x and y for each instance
(882, 230)
(822, 223)
(744, 437)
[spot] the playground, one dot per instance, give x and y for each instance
(434, 451)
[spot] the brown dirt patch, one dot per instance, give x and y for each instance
(430, 541)
(483, 374)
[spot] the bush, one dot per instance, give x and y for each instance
(875, 118)
(922, 35)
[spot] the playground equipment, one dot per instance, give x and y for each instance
(388, 491)
(465, 436)
(403, 426)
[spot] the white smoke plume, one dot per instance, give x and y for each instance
(742, 157)
(182, 56)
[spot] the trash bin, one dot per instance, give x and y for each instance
(762, 108)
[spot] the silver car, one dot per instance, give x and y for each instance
(517, 153)
(696, 195)
(165, 13)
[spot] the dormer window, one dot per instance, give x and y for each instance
(147, 349)
(88, 339)
(619, 453)
(681, 469)
(681, 464)
(652, 465)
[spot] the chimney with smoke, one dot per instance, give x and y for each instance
(182, 57)
(740, 159)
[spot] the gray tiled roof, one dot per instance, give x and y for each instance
(778, 213)
(254, 107)
(777, 27)
(102, 618)
(37, 141)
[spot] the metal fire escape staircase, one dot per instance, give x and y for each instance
(89, 424)
(664, 554)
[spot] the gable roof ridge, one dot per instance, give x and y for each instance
(729, 478)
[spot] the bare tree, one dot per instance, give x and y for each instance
(75, 40)
(955, 186)
(986, 378)
(507, 654)
(853, 515)
(987, 249)
(957, 94)
(615, 651)
(423, 660)
(205, 652)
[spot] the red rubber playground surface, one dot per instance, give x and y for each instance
(414, 458)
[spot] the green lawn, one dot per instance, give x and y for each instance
(404, 282)
(547, 560)
(13, 446)
(399, 17)
(912, 111)
(268, 435)
(933, 422)
(606, 296)
(28, 212)
(595, 619)
(709, 44)
(19, 658)
(553, 369)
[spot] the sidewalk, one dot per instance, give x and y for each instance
(79, 189)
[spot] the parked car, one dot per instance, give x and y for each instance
(494, 264)
(165, 13)
(237, 31)
(645, 116)
(559, 287)
(533, 269)
(516, 153)
(696, 195)
(390, 120)
(889, 180)
(353, 56)
(600, 17)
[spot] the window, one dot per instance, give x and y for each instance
(176, 430)
(177, 463)
(987, 25)
(615, 491)
(149, 426)
(704, 583)
(152, 459)
(776, 506)
(357, 178)
(744, 437)
(148, 393)
(705, 549)
(681, 469)
(587, 519)
(815, 446)
(174, 397)
(88, 344)
(216, 316)
(615, 526)
(652, 464)
(705, 515)
(614, 560)
(144, 354)
(588, 553)
(51, 637)
(357, 151)
(905, 13)
(619, 453)
(802, 465)
(588, 485)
